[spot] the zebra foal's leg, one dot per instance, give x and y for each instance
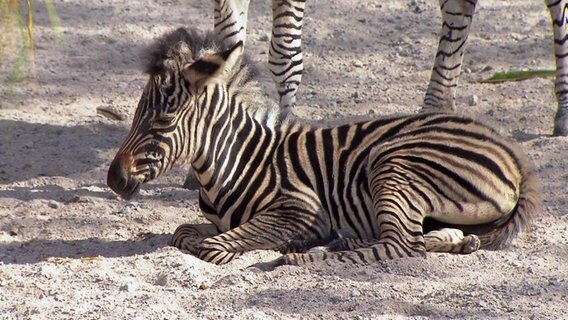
(285, 54)
(188, 236)
(369, 250)
(457, 16)
(451, 240)
(558, 13)
(267, 231)
(399, 223)
(443, 240)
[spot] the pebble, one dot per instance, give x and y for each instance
(358, 63)
(53, 204)
(130, 286)
(204, 286)
(553, 281)
(162, 280)
(472, 100)
(112, 112)
(264, 37)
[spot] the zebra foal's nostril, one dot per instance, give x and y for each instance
(117, 177)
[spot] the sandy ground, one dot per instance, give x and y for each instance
(69, 248)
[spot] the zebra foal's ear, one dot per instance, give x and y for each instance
(232, 56)
(212, 66)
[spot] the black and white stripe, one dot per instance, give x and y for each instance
(377, 189)
(285, 56)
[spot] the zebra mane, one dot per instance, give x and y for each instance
(175, 49)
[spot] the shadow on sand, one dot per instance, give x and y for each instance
(34, 251)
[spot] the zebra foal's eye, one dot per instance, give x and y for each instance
(163, 119)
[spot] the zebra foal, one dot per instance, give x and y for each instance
(365, 191)
(286, 64)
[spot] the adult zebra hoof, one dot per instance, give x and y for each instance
(561, 123)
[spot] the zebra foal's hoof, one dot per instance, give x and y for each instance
(266, 266)
(471, 243)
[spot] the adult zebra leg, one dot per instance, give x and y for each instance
(285, 54)
(231, 21)
(230, 25)
(457, 16)
(558, 10)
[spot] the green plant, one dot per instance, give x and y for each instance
(17, 45)
(518, 75)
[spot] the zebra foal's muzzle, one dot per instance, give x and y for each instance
(120, 179)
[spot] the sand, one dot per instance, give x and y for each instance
(71, 249)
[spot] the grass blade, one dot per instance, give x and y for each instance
(518, 75)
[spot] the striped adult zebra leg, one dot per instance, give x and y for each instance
(285, 55)
(457, 16)
(231, 21)
(558, 13)
(230, 25)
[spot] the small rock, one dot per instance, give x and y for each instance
(112, 112)
(162, 279)
(472, 100)
(358, 63)
(404, 52)
(355, 293)
(77, 199)
(553, 281)
(53, 204)
(204, 286)
(264, 37)
(131, 286)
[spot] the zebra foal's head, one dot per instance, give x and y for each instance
(182, 68)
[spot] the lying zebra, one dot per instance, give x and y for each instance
(372, 190)
(286, 63)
